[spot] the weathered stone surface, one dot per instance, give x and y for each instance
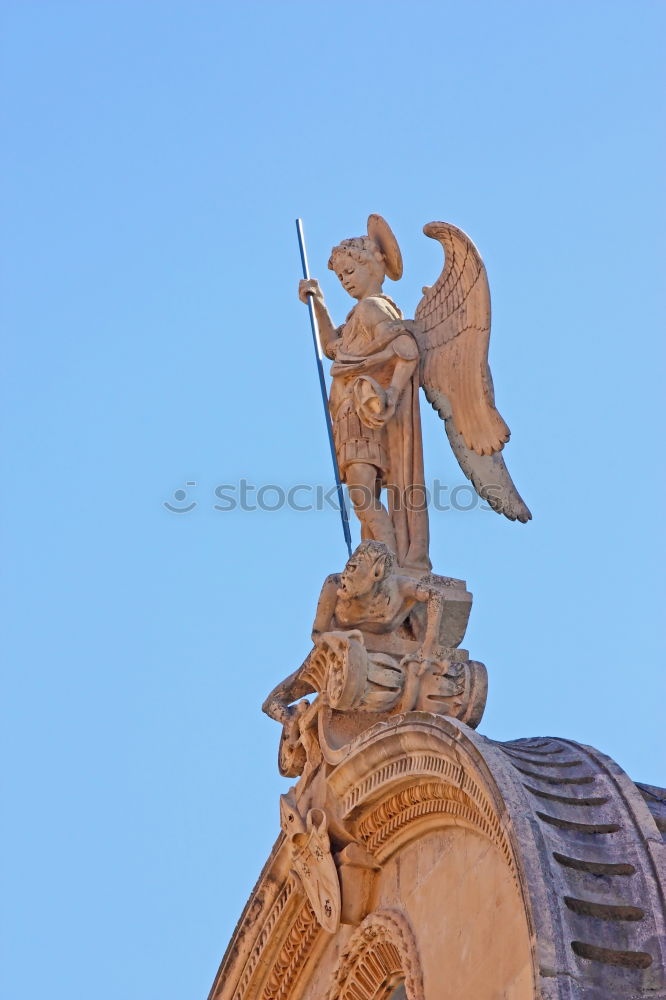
(516, 870)
(655, 799)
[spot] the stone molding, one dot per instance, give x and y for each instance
(594, 864)
(381, 952)
(574, 830)
(264, 938)
(418, 773)
(289, 962)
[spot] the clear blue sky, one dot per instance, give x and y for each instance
(156, 155)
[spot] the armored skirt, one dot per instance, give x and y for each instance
(354, 442)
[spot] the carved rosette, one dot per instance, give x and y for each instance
(381, 954)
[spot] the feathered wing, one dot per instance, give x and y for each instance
(452, 328)
(489, 475)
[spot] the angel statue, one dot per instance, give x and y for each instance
(380, 360)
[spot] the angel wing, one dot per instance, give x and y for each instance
(452, 329)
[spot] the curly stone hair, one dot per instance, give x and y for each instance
(359, 248)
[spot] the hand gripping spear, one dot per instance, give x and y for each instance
(322, 387)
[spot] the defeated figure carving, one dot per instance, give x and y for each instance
(370, 594)
(384, 641)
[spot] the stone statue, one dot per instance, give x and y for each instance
(417, 858)
(379, 362)
(385, 642)
(387, 630)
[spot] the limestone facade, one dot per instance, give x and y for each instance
(488, 870)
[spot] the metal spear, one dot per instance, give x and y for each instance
(322, 385)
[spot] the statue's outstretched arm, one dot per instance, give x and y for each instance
(283, 694)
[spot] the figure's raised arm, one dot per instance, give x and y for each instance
(326, 605)
(310, 288)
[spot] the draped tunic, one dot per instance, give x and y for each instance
(362, 351)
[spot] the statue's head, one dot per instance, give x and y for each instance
(362, 263)
(359, 265)
(368, 566)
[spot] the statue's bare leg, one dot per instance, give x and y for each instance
(362, 482)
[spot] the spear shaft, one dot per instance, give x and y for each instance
(322, 386)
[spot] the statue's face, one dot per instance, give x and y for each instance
(360, 277)
(360, 575)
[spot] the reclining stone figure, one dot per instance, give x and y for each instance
(384, 642)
